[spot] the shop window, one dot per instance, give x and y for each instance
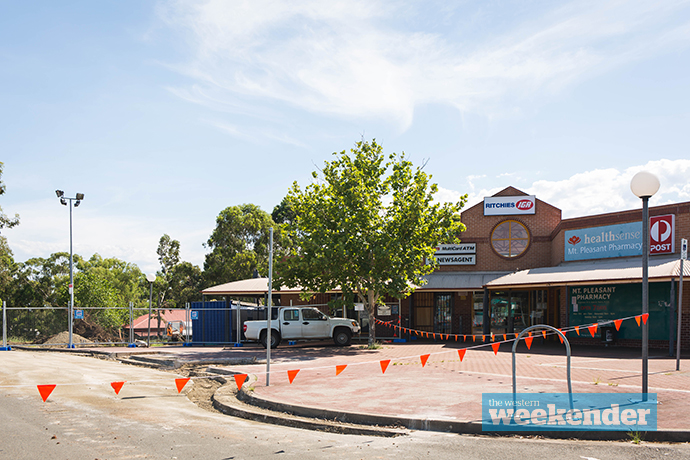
(510, 239)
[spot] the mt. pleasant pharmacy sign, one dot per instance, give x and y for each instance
(456, 254)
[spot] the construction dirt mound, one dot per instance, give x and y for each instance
(63, 338)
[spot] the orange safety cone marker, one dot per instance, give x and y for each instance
(593, 329)
(384, 365)
(424, 358)
(339, 369)
(117, 386)
(618, 323)
(645, 317)
(45, 391)
(495, 347)
(292, 375)
(528, 341)
(181, 383)
(240, 379)
(461, 353)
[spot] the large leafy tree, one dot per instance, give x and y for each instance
(6, 221)
(367, 225)
(239, 244)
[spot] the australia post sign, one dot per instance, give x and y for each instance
(622, 240)
(509, 205)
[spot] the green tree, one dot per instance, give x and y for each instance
(367, 225)
(239, 244)
(6, 221)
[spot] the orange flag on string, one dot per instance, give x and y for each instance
(559, 335)
(543, 333)
(461, 353)
(456, 337)
(495, 347)
(474, 338)
(483, 338)
(384, 365)
(528, 341)
(45, 391)
(618, 323)
(637, 318)
(424, 358)
(464, 338)
(117, 386)
(577, 329)
(505, 336)
(239, 380)
(516, 334)
(645, 317)
(180, 383)
(529, 334)
(339, 369)
(492, 337)
(292, 375)
(593, 329)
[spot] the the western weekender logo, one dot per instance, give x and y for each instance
(556, 412)
(620, 240)
(509, 205)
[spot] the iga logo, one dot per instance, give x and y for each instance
(524, 205)
(574, 240)
(662, 234)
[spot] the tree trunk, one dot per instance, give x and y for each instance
(371, 309)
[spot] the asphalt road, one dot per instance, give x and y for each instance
(84, 419)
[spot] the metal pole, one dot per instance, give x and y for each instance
(268, 309)
(671, 310)
(71, 280)
(131, 323)
(148, 337)
(4, 327)
(645, 296)
(680, 309)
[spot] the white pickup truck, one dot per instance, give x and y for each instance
(302, 323)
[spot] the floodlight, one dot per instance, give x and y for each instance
(63, 201)
(80, 196)
(59, 193)
(77, 203)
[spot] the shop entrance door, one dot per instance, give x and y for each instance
(443, 316)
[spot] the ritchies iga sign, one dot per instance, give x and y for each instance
(620, 240)
(456, 254)
(509, 205)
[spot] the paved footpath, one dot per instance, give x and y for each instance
(446, 388)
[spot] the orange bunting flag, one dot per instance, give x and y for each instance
(45, 391)
(339, 369)
(292, 375)
(483, 338)
(645, 317)
(637, 318)
(559, 335)
(461, 353)
(516, 335)
(240, 379)
(424, 358)
(577, 329)
(384, 365)
(464, 337)
(593, 329)
(543, 333)
(529, 334)
(492, 337)
(528, 341)
(474, 338)
(505, 337)
(618, 323)
(495, 347)
(117, 386)
(181, 383)
(456, 338)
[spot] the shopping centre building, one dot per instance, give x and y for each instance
(520, 264)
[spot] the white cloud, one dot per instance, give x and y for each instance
(600, 190)
(353, 59)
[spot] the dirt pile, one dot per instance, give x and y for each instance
(63, 338)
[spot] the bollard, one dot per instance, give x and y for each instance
(4, 328)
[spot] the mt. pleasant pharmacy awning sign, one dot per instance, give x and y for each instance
(456, 254)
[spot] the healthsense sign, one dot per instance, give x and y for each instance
(622, 240)
(509, 205)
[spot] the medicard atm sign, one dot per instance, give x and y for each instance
(509, 205)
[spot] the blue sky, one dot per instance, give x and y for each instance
(165, 113)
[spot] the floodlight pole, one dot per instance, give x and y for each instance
(70, 313)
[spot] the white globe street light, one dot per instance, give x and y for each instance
(645, 184)
(151, 278)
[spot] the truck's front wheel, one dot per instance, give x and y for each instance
(275, 339)
(342, 337)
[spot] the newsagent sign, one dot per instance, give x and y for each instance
(621, 240)
(456, 254)
(509, 205)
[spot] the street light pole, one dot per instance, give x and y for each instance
(150, 278)
(645, 184)
(77, 201)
